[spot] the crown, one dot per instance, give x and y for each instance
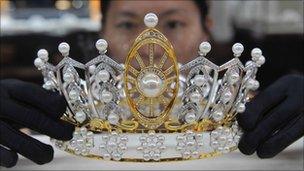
(151, 109)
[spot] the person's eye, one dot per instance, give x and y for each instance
(126, 25)
(174, 24)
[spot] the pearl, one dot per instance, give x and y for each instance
(101, 45)
(195, 154)
(206, 89)
(113, 118)
(73, 94)
(256, 53)
(84, 151)
(226, 131)
(226, 96)
(217, 115)
(83, 131)
(179, 148)
(89, 144)
(249, 63)
(226, 150)
(186, 154)
(151, 85)
(204, 48)
(214, 134)
(114, 134)
(107, 156)
(181, 144)
(151, 145)
(190, 143)
(48, 85)
(199, 136)
(123, 147)
(90, 134)
(77, 151)
(106, 96)
(222, 140)
(112, 145)
(156, 157)
(190, 117)
(261, 60)
(105, 137)
(140, 148)
(80, 116)
(73, 143)
(241, 108)
(214, 144)
(146, 157)
(233, 77)
(162, 148)
(237, 138)
(64, 48)
(252, 84)
(92, 69)
(220, 149)
(142, 139)
(237, 49)
(161, 138)
(103, 76)
(180, 138)
(125, 139)
(116, 156)
(151, 20)
(75, 134)
(68, 77)
(229, 140)
(199, 80)
(181, 89)
(102, 148)
(43, 54)
(38, 62)
(220, 129)
(195, 97)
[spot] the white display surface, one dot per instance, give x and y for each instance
(290, 159)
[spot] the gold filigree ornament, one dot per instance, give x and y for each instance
(151, 108)
(152, 88)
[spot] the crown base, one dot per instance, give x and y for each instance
(152, 146)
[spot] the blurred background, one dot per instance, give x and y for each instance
(28, 25)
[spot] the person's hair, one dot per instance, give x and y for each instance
(202, 5)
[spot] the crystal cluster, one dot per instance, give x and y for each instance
(113, 146)
(82, 141)
(152, 145)
(189, 143)
(223, 138)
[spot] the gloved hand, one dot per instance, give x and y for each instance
(274, 119)
(28, 105)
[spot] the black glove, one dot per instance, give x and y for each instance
(274, 119)
(28, 105)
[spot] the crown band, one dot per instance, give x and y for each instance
(152, 146)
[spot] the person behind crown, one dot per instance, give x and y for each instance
(272, 120)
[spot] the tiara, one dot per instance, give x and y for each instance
(151, 108)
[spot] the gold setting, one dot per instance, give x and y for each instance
(166, 97)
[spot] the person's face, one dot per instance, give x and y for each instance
(179, 21)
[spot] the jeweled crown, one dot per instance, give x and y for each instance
(151, 109)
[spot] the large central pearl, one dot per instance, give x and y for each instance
(151, 85)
